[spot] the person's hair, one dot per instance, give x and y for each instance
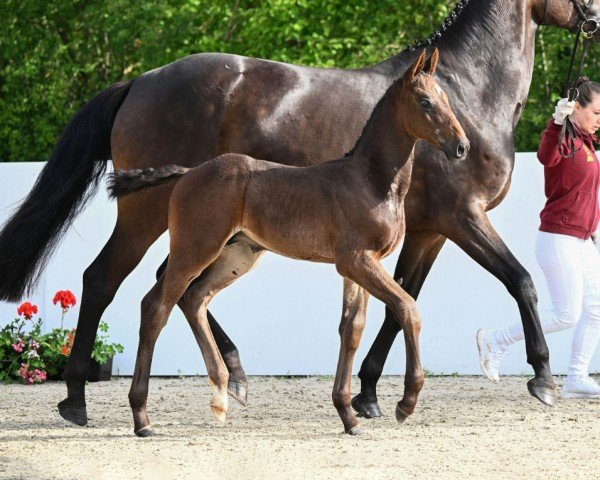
(587, 88)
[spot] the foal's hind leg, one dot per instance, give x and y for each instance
(212, 281)
(351, 328)
(238, 257)
(366, 270)
(190, 255)
(419, 251)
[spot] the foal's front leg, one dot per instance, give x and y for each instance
(351, 328)
(366, 270)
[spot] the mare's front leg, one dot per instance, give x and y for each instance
(237, 258)
(473, 232)
(364, 269)
(351, 328)
(419, 251)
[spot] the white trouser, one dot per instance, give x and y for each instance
(572, 270)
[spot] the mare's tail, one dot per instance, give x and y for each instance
(65, 184)
(124, 182)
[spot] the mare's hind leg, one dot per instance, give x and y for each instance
(121, 254)
(366, 270)
(350, 330)
(473, 232)
(419, 251)
(237, 258)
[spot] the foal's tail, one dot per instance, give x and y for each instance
(124, 182)
(65, 184)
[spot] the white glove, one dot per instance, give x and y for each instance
(563, 109)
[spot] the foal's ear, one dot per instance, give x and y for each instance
(432, 62)
(417, 67)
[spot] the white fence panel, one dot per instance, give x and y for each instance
(283, 316)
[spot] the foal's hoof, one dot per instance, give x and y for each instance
(238, 391)
(365, 409)
(401, 415)
(145, 432)
(357, 430)
(219, 413)
(543, 391)
(73, 414)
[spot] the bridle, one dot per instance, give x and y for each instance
(586, 27)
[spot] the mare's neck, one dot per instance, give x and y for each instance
(486, 61)
(384, 153)
(490, 56)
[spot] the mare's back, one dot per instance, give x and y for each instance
(207, 104)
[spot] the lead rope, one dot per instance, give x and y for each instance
(587, 27)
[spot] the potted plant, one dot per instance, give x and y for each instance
(102, 355)
(20, 350)
(31, 357)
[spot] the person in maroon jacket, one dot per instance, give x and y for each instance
(564, 247)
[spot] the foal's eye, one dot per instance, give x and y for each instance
(425, 103)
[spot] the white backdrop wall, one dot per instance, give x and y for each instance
(283, 316)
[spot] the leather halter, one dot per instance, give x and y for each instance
(584, 23)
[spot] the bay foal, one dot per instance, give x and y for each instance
(349, 212)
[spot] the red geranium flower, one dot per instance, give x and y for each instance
(27, 310)
(66, 299)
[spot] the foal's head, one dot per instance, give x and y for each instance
(425, 112)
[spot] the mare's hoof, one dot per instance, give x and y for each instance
(543, 391)
(357, 430)
(401, 415)
(145, 432)
(365, 409)
(76, 415)
(238, 391)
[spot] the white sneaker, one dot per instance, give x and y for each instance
(490, 355)
(581, 386)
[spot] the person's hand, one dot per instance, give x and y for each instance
(595, 237)
(563, 109)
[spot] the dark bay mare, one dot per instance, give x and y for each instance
(349, 212)
(208, 104)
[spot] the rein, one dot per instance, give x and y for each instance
(587, 27)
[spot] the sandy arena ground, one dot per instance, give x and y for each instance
(464, 427)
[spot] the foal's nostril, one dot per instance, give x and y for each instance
(461, 150)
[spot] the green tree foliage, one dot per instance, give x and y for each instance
(55, 55)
